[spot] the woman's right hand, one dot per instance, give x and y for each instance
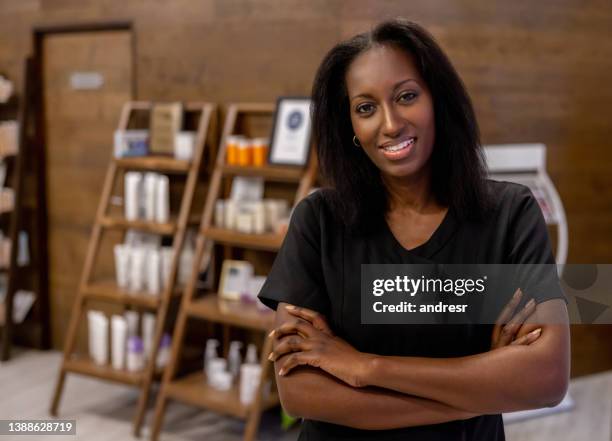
(510, 322)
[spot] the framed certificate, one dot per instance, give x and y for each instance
(235, 277)
(290, 144)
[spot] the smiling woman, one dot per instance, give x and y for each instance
(398, 142)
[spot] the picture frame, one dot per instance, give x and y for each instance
(290, 142)
(235, 277)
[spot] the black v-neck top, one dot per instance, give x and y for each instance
(319, 266)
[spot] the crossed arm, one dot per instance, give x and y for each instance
(330, 381)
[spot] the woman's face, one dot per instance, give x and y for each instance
(391, 110)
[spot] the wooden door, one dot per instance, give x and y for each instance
(87, 77)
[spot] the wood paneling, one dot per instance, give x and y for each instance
(537, 71)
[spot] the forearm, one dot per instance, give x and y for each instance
(506, 379)
(312, 394)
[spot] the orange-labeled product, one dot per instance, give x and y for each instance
(245, 153)
(260, 151)
(232, 149)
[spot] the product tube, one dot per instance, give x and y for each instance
(137, 268)
(148, 332)
(153, 272)
(163, 354)
(119, 340)
(150, 195)
(135, 357)
(167, 253)
(122, 259)
(162, 205)
(132, 195)
(185, 264)
(98, 337)
(131, 318)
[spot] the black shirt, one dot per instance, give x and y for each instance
(318, 267)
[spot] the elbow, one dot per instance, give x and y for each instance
(290, 405)
(290, 400)
(553, 387)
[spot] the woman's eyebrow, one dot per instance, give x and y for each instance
(397, 86)
(401, 83)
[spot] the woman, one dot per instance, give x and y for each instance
(398, 142)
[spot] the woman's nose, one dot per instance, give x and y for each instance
(392, 123)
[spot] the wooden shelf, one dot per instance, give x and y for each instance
(151, 227)
(236, 313)
(271, 172)
(193, 389)
(266, 242)
(155, 163)
(85, 366)
(109, 291)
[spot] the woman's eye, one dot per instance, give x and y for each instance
(365, 108)
(407, 97)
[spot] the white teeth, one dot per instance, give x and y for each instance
(400, 146)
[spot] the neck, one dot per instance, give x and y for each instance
(411, 193)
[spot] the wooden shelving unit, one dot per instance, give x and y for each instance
(104, 290)
(193, 389)
(25, 214)
(266, 242)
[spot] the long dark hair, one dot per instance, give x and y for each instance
(458, 172)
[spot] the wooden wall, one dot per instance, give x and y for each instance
(537, 71)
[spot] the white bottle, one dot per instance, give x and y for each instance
(235, 358)
(210, 354)
(118, 342)
(163, 354)
(135, 354)
(148, 331)
(150, 195)
(251, 356)
(162, 204)
(133, 183)
(250, 376)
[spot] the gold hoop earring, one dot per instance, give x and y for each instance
(356, 141)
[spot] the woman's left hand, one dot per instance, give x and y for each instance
(303, 344)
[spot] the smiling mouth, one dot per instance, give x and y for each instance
(401, 146)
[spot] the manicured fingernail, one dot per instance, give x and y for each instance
(531, 303)
(536, 332)
(271, 334)
(281, 372)
(518, 293)
(290, 307)
(271, 357)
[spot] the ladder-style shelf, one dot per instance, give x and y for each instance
(21, 214)
(107, 290)
(193, 388)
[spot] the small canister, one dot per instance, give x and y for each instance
(232, 149)
(230, 212)
(260, 151)
(259, 218)
(245, 152)
(244, 222)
